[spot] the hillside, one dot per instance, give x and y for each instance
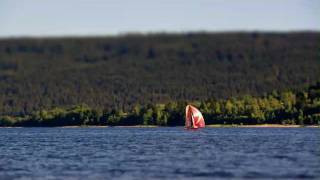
(119, 72)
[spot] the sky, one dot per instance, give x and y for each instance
(111, 17)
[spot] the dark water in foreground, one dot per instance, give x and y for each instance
(158, 153)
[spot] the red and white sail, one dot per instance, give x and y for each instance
(194, 118)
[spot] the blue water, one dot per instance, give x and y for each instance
(159, 153)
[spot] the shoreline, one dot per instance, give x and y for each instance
(263, 126)
(207, 126)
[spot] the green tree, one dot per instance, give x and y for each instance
(148, 117)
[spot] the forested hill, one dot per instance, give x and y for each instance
(108, 72)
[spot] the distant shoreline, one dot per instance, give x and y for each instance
(208, 126)
(264, 126)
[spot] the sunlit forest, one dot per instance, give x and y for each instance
(302, 108)
(148, 79)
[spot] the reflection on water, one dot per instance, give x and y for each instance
(158, 153)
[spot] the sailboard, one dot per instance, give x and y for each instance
(194, 118)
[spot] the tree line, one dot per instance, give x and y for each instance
(108, 73)
(302, 107)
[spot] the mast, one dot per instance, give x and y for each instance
(192, 119)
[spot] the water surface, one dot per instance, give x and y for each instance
(159, 153)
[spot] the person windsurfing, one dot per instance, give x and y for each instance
(194, 118)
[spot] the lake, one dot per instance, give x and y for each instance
(159, 153)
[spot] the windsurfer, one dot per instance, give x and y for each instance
(194, 118)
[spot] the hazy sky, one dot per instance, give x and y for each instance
(105, 17)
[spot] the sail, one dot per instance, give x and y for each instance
(194, 118)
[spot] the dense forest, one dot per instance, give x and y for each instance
(122, 73)
(302, 108)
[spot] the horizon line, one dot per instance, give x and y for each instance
(148, 33)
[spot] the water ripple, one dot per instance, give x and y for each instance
(159, 153)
